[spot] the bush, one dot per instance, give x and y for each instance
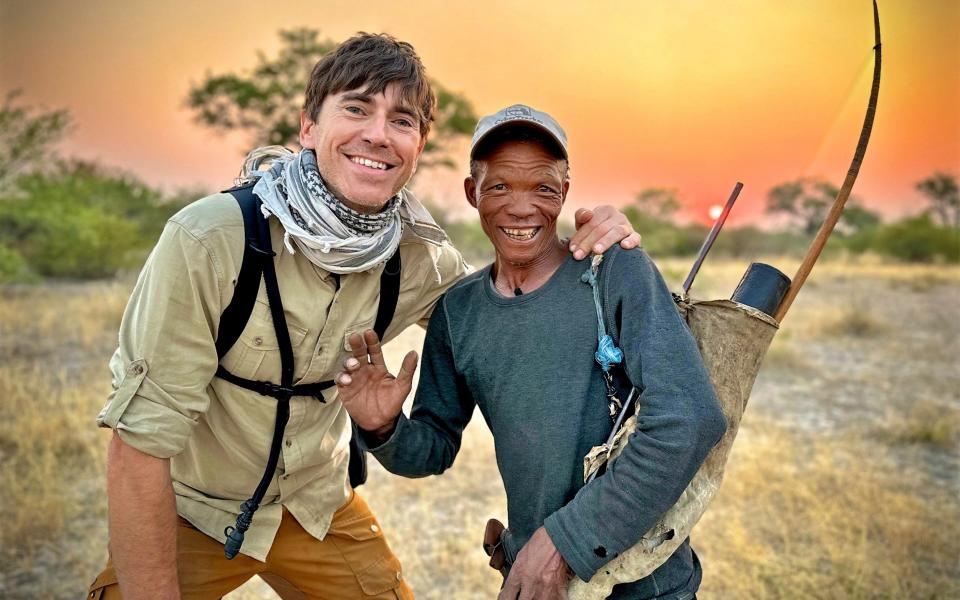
(919, 239)
(13, 268)
(664, 238)
(81, 222)
(71, 241)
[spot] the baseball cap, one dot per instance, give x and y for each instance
(519, 114)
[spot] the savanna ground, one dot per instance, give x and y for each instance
(843, 483)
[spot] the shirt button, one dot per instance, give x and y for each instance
(284, 477)
(258, 341)
(136, 369)
(289, 443)
(374, 528)
(399, 576)
(319, 350)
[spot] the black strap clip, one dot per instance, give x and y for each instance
(268, 388)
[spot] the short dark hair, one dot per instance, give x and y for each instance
(515, 133)
(372, 61)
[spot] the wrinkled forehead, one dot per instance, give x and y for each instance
(522, 158)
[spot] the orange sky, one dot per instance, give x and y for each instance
(691, 94)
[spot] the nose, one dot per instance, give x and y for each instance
(521, 206)
(375, 130)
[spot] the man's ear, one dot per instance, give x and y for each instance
(564, 190)
(470, 190)
(306, 130)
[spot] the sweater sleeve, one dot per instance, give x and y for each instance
(678, 421)
(427, 442)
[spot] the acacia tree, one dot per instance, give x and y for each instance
(941, 190)
(806, 202)
(657, 202)
(265, 101)
(26, 139)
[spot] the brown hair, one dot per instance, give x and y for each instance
(372, 61)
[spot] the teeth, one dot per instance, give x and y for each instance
(369, 163)
(520, 234)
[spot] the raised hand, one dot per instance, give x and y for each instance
(372, 396)
(599, 229)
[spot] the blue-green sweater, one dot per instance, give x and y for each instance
(527, 363)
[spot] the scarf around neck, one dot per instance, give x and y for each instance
(330, 234)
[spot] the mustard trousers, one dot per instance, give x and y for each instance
(352, 561)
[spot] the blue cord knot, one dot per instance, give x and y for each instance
(607, 353)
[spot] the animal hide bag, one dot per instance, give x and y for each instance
(733, 339)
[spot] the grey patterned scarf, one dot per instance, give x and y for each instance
(331, 235)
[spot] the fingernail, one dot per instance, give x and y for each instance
(598, 249)
(573, 248)
(352, 362)
(579, 254)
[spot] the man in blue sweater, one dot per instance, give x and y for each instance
(517, 339)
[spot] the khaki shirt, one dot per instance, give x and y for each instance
(167, 403)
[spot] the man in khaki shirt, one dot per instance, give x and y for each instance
(189, 447)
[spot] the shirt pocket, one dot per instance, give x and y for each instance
(256, 354)
(130, 381)
(358, 328)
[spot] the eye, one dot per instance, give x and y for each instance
(356, 110)
(499, 187)
(405, 123)
(546, 189)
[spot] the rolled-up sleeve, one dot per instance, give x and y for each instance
(166, 357)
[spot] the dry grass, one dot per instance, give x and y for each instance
(927, 422)
(54, 343)
(826, 518)
(849, 508)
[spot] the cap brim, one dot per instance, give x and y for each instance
(531, 124)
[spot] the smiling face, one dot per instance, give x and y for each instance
(519, 188)
(367, 145)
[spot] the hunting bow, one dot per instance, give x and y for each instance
(816, 247)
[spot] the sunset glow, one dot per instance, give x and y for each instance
(689, 95)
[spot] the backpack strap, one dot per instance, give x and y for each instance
(257, 254)
(389, 293)
(258, 263)
(234, 318)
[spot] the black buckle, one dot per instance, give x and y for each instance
(267, 388)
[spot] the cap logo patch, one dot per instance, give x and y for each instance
(518, 111)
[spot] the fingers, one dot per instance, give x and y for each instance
(606, 227)
(511, 588)
(342, 380)
(351, 365)
(373, 348)
(581, 217)
(631, 241)
(357, 346)
(609, 239)
(407, 369)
